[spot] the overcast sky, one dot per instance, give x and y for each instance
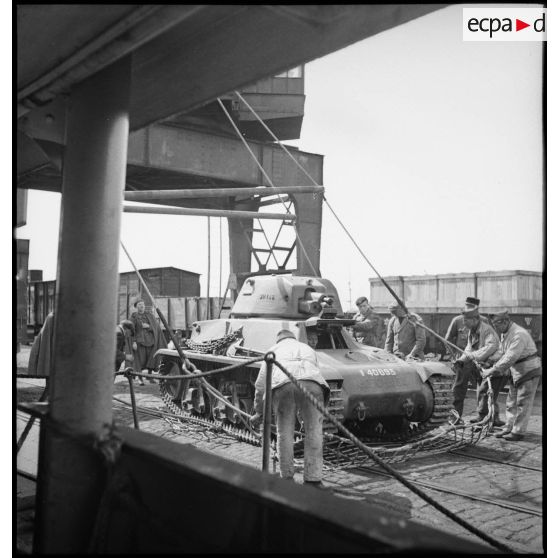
(433, 160)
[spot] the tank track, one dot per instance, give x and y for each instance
(239, 433)
(441, 387)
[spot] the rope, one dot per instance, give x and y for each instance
(220, 263)
(395, 474)
(193, 376)
(257, 163)
(303, 250)
(107, 442)
(187, 365)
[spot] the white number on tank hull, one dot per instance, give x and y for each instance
(378, 372)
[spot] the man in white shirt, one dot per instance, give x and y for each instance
(519, 356)
(302, 362)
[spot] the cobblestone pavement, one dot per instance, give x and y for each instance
(460, 481)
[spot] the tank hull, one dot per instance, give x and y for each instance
(370, 388)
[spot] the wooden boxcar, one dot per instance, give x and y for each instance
(161, 282)
(438, 298)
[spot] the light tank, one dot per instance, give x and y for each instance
(375, 394)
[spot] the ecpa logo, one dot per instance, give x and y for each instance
(504, 24)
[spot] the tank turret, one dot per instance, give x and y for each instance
(286, 296)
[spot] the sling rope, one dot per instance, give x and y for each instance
(188, 367)
(307, 174)
(411, 485)
(395, 474)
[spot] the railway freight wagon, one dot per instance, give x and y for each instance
(164, 283)
(438, 298)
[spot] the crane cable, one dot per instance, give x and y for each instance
(302, 249)
(188, 367)
(384, 282)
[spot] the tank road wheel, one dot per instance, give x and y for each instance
(172, 388)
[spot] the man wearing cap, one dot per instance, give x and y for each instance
(519, 355)
(369, 326)
(457, 331)
(302, 362)
(404, 337)
(146, 340)
(482, 346)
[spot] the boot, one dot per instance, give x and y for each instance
(502, 433)
(513, 437)
(316, 484)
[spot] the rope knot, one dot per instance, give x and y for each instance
(108, 443)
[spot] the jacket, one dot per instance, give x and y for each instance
(405, 337)
(457, 331)
(369, 328)
(150, 337)
(517, 344)
(483, 344)
(299, 359)
(153, 339)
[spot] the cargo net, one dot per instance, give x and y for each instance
(341, 448)
(342, 453)
(339, 452)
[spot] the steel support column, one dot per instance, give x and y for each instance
(308, 208)
(71, 477)
(240, 246)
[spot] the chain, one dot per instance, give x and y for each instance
(213, 345)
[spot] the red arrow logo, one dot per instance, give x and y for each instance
(519, 25)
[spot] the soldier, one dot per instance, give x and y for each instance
(482, 344)
(146, 340)
(369, 326)
(519, 355)
(457, 332)
(302, 362)
(404, 338)
(312, 337)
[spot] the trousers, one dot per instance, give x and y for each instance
(463, 375)
(498, 383)
(519, 405)
(287, 401)
(144, 357)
